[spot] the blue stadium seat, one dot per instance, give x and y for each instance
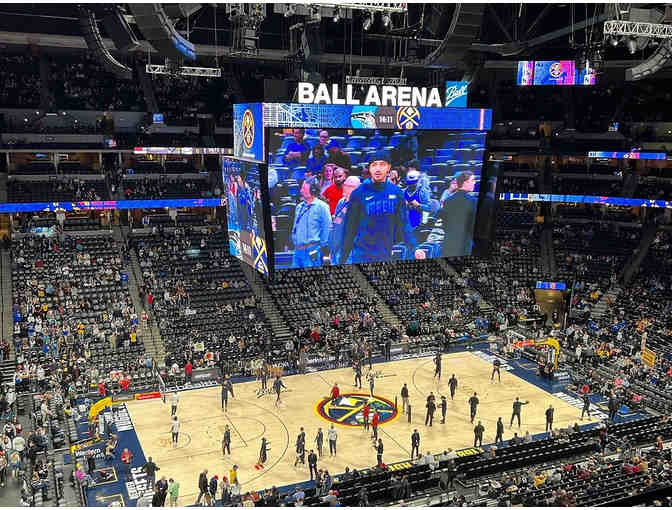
(462, 155)
(397, 139)
(283, 259)
(377, 141)
(311, 141)
(340, 139)
(399, 252)
(437, 187)
(356, 142)
(477, 155)
(439, 169)
(293, 189)
(443, 152)
(355, 157)
(432, 250)
(450, 143)
(283, 172)
(299, 173)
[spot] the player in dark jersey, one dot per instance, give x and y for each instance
(495, 370)
(377, 218)
(437, 365)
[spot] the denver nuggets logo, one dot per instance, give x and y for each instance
(555, 70)
(408, 117)
(347, 409)
(248, 129)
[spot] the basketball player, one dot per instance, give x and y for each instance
(499, 437)
(319, 441)
(277, 387)
(335, 392)
(586, 406)
(372, 381)
(263, 453)
(174, 400)
(517, 405)
(437, 365)
(473, 405)
(264, 377)
(229, 385)
(452, 383)
(365, 414)
(225, 395)
(226, 441)
(300, 448)
(358, 374)
(495, 370)
(175, 430)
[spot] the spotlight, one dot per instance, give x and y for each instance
(631, 44)
(368, 21)
(386, 20)
(290, 11)
(337, 14)
(613, 40)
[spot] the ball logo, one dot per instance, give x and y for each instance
(555, 70)
(248, 129)
(408, 117)
(347, 409)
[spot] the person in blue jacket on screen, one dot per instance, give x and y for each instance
(377, 218)
(312, 225)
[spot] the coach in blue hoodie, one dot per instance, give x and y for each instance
(377, 218)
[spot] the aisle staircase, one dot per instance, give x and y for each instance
(150, 334)
(6, 299)
(147, 87)
(601, 307)
(278, 325)
(387, 313)
(449, 270)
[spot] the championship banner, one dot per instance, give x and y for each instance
(649, 357)
(98, 407)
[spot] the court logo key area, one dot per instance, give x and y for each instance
(347, 409)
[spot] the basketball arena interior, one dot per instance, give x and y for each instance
(336, 254)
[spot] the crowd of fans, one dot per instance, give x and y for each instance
(204, 306)
(84, 84)
(72, 311)
(165, 188)
(20, 84)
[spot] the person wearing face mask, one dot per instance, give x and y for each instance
(457, 216)
(377, 218)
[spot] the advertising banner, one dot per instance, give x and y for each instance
(457, 93)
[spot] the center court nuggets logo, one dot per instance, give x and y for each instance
(408, 117)
(248, 129)
(347, 409)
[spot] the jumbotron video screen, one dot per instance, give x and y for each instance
(357, 196)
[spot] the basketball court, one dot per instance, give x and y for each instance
(251, 417)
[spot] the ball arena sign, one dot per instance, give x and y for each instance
(347, 409)
(388, 95)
